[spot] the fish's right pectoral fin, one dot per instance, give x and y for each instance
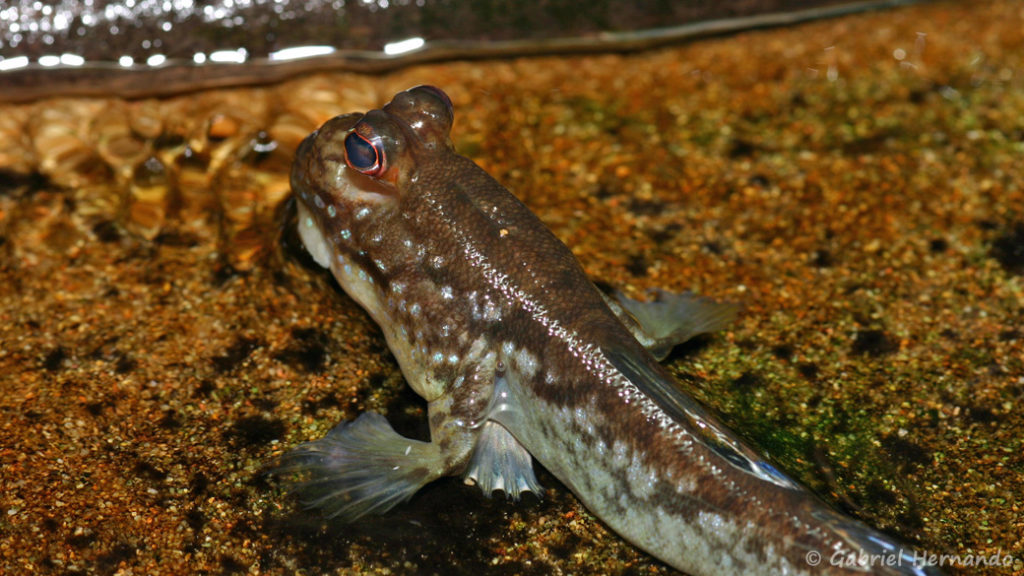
(361, 467)
(500, 462)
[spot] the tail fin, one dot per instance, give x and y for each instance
(871, 551)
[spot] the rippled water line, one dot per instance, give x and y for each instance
(58, 53)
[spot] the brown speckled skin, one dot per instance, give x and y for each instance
(586, 399)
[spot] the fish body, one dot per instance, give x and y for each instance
(494, 322)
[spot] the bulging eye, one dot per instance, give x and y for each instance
(364, 155)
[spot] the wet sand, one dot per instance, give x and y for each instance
(857, 184)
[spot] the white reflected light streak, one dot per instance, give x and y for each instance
(13, 63)
(229, 56)
(71, 60)
(299, 52)
(403, 46)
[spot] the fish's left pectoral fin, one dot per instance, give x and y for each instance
(361, 467)
(671, 319)
(500, 462)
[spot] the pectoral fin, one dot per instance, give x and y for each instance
(362, 467)
(670, 319)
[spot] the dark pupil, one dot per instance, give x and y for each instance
(361, 153)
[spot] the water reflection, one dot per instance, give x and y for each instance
(146, 47)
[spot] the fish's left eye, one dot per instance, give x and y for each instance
(364, 155)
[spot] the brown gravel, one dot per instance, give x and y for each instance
(857, 184)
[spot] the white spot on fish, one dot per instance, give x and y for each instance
(332, 211)
(492, 312)
(526, 363)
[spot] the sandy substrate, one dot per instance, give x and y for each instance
(858, 184)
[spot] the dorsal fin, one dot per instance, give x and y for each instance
(653, 382)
